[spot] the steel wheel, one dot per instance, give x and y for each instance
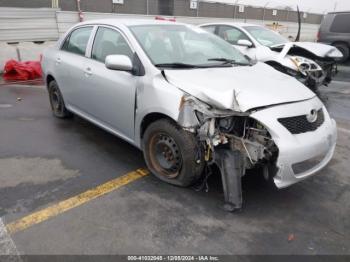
(172, 154)
(165, 155)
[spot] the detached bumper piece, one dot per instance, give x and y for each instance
(230, 164)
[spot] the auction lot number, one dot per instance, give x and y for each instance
(172, 258)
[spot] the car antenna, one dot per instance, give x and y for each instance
(297, 39)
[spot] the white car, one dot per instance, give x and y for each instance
(313, 64)
(189, 100)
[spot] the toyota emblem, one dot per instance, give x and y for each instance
(312, 117)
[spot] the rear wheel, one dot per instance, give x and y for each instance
(172, 154)
(56, 101)
(344, 49)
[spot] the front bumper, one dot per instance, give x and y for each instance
(302, 155)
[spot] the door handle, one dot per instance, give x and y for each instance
(88, 71)
(58, 61)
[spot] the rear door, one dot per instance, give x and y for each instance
(109, 95)
(340, 28)
(70, 59)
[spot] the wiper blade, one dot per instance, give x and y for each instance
(228, 61)
(176, 65)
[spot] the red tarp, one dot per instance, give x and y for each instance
(15, 70)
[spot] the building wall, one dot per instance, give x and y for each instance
(170, 8)
(68, 5)
(182, 8)
(103, 6)
(155, 7)
(25, 3)
(131, 7)
(213, 9)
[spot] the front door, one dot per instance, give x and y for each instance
(233, 35)
(109, 95)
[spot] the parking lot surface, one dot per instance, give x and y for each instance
(44, 161)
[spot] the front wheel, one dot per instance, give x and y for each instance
(172, 154)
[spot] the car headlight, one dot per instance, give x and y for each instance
(194, 112)
(305, 65)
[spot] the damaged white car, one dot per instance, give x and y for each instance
(313, 64)
(189, 100)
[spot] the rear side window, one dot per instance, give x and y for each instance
(341, 23)
(77, 41)
(109, 42)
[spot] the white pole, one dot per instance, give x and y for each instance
(234, 9)
(197, 7)
(264, 12)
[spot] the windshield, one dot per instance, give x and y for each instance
(266, 36)
(185, 46)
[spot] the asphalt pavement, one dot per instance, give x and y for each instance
(44, 160)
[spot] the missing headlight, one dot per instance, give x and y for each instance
(232, 125)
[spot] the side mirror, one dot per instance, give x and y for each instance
(119, 62)
(244, 42)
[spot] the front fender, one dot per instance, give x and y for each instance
(158, 96)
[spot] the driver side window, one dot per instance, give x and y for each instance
(231, 34)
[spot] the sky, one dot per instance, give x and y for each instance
(314, 6)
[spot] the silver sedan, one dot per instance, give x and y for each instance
(189, 100)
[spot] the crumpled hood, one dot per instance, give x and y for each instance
(239, 88)
(318, 49)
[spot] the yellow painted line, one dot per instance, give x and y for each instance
(65, 205)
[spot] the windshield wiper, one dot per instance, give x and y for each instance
(177, 65)
(228, 61)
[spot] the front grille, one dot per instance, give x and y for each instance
(300, 124)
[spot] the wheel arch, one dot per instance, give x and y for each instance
(150, 118)
(346, 45)
(341, 42)
(49, 78)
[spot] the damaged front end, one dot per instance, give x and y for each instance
(232, 140)
(312, 64)
(313, 74)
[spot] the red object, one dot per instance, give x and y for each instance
(15, 70)
(81, 16)
(291, 237)
(318, 35)
(165, 19)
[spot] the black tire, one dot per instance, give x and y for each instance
(58, 107)
(172, 154)
(344, 49)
